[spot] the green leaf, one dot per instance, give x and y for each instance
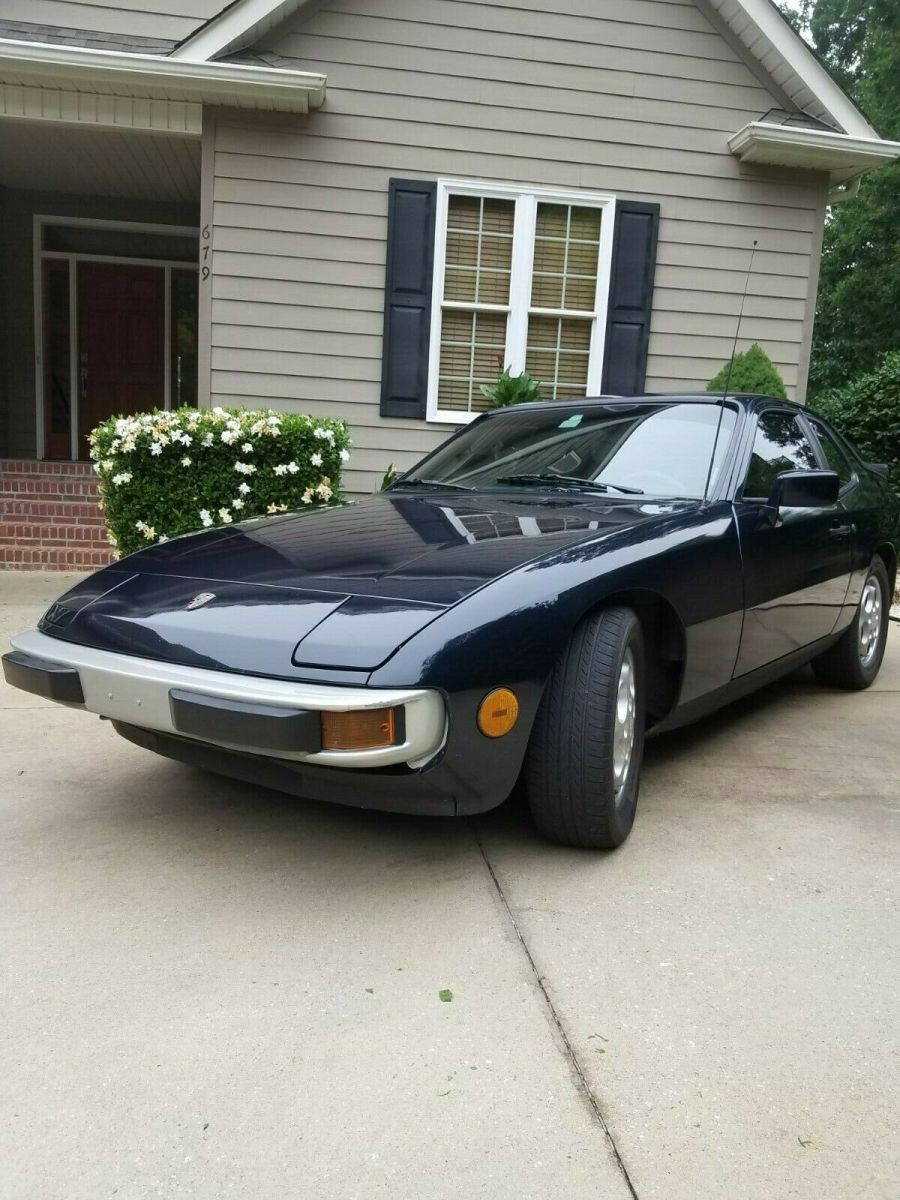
(753, 371)
(511, 389)
(275, 462)
(867, 410)
(446, 995)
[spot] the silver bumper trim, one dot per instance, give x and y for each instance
(136, 691)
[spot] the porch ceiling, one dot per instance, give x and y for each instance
(57, 158)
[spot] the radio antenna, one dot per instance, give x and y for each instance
(737, 333)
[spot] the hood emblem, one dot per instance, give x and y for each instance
(199, 601)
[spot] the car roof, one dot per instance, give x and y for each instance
(747, 400)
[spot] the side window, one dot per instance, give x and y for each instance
(834, 455)
(780, 445)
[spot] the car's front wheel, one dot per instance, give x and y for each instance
(584, 759)
(855, 660)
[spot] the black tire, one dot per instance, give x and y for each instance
(841, 664)
(569, 769)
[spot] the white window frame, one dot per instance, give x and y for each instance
(39, 254)
(526, 200)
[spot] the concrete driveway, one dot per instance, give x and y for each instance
(213, 991)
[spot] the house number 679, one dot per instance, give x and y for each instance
(204, 250)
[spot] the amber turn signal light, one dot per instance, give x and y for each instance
(366, 729)
(498, 712)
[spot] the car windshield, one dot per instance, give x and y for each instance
(654, 449)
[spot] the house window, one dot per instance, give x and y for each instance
(521, 280)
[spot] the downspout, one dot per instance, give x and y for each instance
(840, 193)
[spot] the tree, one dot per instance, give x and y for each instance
(868, 412)
(859, 285)
(753, 372)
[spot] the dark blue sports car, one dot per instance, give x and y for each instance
(549, 586)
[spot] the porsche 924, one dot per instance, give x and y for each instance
(552, 584)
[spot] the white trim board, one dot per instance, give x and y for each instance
(239, 24)
(766, 35)
(117, 72)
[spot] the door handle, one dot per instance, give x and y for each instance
(841, 531)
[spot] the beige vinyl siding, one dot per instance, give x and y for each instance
(168, 19)
(637, 99)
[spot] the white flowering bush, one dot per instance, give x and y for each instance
(166, 473)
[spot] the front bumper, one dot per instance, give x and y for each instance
(260, 716)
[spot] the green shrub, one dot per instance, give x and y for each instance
(867, 410)
(511, 389)
(167, 473)
(753, 372)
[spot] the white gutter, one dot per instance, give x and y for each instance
(239, 84)
(842, 155)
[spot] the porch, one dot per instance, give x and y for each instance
(98, 312)
(101, 258)
(98, 281)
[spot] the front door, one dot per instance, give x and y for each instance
(797, 567)
(121, 342)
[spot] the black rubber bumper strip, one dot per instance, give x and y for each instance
(51, 680)
(257, 726)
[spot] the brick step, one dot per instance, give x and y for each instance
(81, 511)
(34, 466)
(45, 487)
(53, 558)
(50, 534)
(45, 465)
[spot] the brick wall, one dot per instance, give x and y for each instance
(50, 516)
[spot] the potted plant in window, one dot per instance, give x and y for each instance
(511, 389)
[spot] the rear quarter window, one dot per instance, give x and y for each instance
(834, 453)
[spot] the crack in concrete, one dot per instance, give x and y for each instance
(574, 1061)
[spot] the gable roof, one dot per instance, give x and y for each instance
(757, 25)
(765, 34)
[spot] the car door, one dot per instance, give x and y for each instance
(863, 501)
(796, 564)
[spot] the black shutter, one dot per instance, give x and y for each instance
(630, 298)
(407, 297)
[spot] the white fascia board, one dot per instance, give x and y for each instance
(812, 149)
(236, 84)
(240, 24)
(803, 62)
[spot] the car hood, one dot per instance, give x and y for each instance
(435, 547)
(336, 588)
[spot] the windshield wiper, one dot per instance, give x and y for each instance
(438, 483)
(569, 480)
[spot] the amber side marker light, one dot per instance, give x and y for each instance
(366, 729)
(498, 712)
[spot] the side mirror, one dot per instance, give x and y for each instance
(805, 489)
